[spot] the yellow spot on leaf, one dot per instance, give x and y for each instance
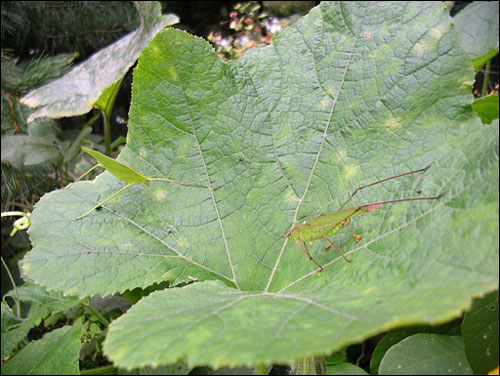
(392, 124)
(120, 353)
(350, 171)
(291, 197)
(369, 290)
(419, 49)
(168, 275)
(330, 91)
(173, 73)
(436, 33)
(324, 104)
(159, 194)
(341, 156)
(182, 242)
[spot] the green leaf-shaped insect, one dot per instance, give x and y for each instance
(328, 224)
(122, 172)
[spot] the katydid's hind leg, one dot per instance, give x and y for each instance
(304, 247)
(82, 176)
(338, 250)
(106, 200)
(382, 181)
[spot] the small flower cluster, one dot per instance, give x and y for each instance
(249, 27)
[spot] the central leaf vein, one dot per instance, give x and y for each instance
(318, 154)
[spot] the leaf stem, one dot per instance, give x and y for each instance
(486, 79)
(98, 314)
(261, 369)
(17, 300)
(309, 365)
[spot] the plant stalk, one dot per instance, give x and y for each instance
(314, 365)
(486, 79)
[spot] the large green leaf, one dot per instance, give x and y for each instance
(352, 93)
(487, 108)
(29, 151)
(477, 27)
(397, 335)
(39, 304)
(480, 331)
(57, 353)
(76, 92)
(426, 354)
(37, 148)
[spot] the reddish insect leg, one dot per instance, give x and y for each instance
(338, 250)
(310, 257)
(384, 180)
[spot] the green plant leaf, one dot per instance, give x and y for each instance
(40, 303)
(76, 92)
(352, 93)
(480, 332)
(426, 354)
(11, 333)
(487, 108)
(57, 353)
(36, 148)
(336, 358)
(29, 151)
(345, 369)
(477, 25)
(397, 335)
(178, 368)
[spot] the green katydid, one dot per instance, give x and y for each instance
(122, 172)
(328, 224)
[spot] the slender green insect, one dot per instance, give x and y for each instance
(122, 172)
(328, 224)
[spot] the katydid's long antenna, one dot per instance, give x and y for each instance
(376, 205)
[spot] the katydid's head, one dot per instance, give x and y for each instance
(292, 234)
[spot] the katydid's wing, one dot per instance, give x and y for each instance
(118, 169)
(333, 218)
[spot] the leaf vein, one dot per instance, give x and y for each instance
(318, 154)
